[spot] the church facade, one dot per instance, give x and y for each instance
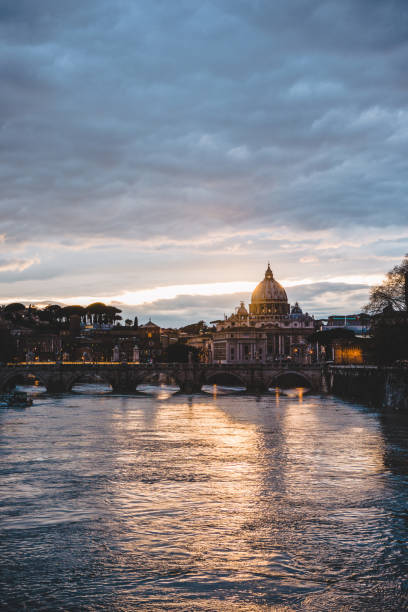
(270, 330)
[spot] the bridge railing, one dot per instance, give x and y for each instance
(84, 363)
(246, 364)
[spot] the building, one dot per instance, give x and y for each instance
(269, 331)
(348, 352)
(202, 343)
(358, 323)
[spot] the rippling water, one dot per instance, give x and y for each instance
(210, 502)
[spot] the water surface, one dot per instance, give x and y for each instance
(209, 502)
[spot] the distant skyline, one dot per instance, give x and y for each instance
(158, 154)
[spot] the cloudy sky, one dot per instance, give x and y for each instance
(158, 153)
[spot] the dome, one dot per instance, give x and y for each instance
(296, 309)
(268, 289)
(242, 311)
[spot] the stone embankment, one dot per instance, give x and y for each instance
(379, 385)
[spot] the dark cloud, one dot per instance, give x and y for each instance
(169, 121)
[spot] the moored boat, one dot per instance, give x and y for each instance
(16, 399)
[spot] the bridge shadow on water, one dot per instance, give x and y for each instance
(221, 385)
(163, 391)
(158, 390)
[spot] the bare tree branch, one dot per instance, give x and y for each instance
(391, 292)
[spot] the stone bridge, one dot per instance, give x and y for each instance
(60, 377)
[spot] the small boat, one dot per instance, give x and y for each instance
(16, 399)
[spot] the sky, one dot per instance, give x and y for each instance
(157, 154)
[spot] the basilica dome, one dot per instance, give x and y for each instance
(268, 289)
(269, 297)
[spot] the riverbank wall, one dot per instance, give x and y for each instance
(382, 386)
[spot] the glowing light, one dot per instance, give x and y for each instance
(148, 296)
(133, 298)
(357, 279)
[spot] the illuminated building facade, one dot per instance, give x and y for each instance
(269, 331)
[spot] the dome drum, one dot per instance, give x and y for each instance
(280, 309)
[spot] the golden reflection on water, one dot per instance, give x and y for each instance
(345, 455)
(201, 469)
(159, 392)
(296, 393)
(212, 488)
(206, 503)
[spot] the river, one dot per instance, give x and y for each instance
(210, 502)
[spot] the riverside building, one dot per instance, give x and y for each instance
(269, 331)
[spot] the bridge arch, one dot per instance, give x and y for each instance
(158, 376)
(290, 379)
(85, 377)
(17, 375)
(227, 378)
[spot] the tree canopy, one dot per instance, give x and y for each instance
(14, 307)
(69, 311)
(96, 308)
(391, 292)
(195, 328)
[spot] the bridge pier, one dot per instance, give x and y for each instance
(189, 387)
(256, 387)
(123, 387)
(57, 385)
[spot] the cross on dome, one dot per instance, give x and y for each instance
(268, 273)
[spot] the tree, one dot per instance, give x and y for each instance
(53, 312)
(69, 311)
(96, 311)
(195, 328)
(391, 292)
(14, 311)
(110, 313)
(14, 307)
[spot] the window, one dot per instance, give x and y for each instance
(220, 351)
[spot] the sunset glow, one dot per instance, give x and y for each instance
(150, 296)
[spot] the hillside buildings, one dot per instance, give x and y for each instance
(268, 330)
